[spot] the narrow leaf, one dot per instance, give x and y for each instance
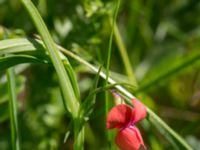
(66, 87)
(9, 61)
(13, 108)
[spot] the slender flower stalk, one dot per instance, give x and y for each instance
(124, 118)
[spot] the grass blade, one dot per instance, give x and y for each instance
(70, 97)
(9, 61)
(109, 136)
(66, 87)
(13, 108)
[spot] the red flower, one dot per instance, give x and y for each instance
(124, 118)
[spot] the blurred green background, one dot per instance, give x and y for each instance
(162, 42)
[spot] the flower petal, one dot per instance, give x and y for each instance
(139, 111)
(129, 139)
(119, 116)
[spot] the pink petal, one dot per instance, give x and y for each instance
(129, 139)
(139, 111)
(119, 116)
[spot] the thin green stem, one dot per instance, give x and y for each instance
(124, 55)
(108, 66)
(111, 40)
(13, 108)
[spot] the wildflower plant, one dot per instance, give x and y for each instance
(124, 118)
(67, 104)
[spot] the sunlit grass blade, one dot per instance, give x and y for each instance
(66, 87)
(22, 45)
(13, 108)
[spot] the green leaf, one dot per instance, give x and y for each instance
(8, 61)
(22, 45)
(13, 108)
(66, 87)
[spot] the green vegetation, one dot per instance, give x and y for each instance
(60, 61)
